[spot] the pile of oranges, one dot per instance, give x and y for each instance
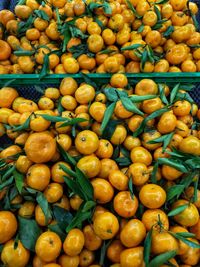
(100, 176)
(61, 36)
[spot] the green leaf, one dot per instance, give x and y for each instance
(123, 161)
(7, 183)
(78, 220)
(154, 172)
(107, 8)
(104, 248)
(19, 180)
(107, 51)
(67, 170)
(196, 183)
(70, 122)
(140, 29)
(162, 258)
(161, 2)
(84, 184)
(165, 139)
(131, 7)
(144, 58)
(152, 116)
(110, 129)
(185, 240)
(53, 118)
(107, 115)
(88, 206)
(172, 163)
(193, 163)
(44, 205)
(74, 187)
(157, 11)
(174, 93)
(130, 187)
(56, 229)
(24, 53)
(169, 31)
(23, 26)
(177, 210)
(186, 234)
(175, 191)
(131, 47)
(140, 98)
(29, 232)
(69, 159)
(88, 80)
(162, 94)
(62, 216)
(41, 14)
(22, 127)
(45, 67)
(9, 171)
(147, 247)
(128, 105)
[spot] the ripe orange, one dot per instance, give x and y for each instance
(74, 242)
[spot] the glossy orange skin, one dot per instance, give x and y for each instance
(106, 225)
(190, 145)
(86, 257)
(103, 190)
(7, 96)
(38, 176)
(124, 205)
(53, 192)
(141, 155)
(86, 142)
(182, 246)
(92, 241)
(105, 149)
(114, 251)
(68, 261)
(8, 226)
(139, 173)
(151, 217)
(170, 173)
(74, 242)
(107, 165)
(18, 257)
(167, 123)
(133, 233)
(118, 180)
(189, 216)
(152, 196)
(146, 87)
(48, 246)
(132, 257)
(196, 229)
(40, 147)
(90, 165)
(84, 94)
(163, 242)
(192, 256)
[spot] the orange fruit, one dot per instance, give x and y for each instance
(74, 242)
(40, 147)
(191, 145)
(187, 217)
(103, 190)
(68, 261)
(106, 225)
(125, 205)
(5, 50)
(152, 217)
(133, 233)
(7, 96)
(132, 257)
(92, 241)
(152, 196)
(48, 246)
(90, 165)
(12, 256)
(86, 142)
(8, 226)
